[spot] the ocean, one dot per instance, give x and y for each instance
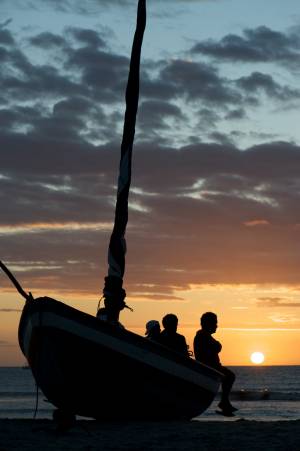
(262, 393)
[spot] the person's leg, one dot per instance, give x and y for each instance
(227, 383)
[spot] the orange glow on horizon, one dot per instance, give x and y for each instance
(245, 324)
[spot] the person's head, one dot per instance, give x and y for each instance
(152, 328)
(209, 322)
(170, 322)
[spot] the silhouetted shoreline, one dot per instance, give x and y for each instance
(193, 435)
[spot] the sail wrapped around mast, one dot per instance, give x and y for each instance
(113, 292)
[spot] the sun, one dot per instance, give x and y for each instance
(257, 358)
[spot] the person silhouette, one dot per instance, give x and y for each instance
(169, 336)
(153, 330)
(206, 350)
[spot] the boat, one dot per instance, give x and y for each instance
(92, 366)
(96, 369)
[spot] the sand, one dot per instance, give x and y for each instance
(245, 435)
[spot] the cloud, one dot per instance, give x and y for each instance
(183, 226)
(6, 38)
(259, 45)
(154, 115)
(276, 302)
(221, 138)
(236, 114)
(87, 37)
(46, 39)
(4, 343)
(10, 310)
(258, 81)
(156, 297)
(256, 222)
(87, 6)
(5, 23)
(204, 212)
(277, 318)
(199, 80)
(80, 71)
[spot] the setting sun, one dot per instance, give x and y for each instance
(257, 358)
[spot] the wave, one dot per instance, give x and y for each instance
(18, 394)
(240, 395)
(25, 410)
(264, 395)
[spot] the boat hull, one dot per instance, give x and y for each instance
(91, 368)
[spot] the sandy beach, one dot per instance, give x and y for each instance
(194, 435)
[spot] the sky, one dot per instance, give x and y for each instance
(214, 220)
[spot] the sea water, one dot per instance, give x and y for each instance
(262, 393)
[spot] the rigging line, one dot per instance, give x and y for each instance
(14, 281)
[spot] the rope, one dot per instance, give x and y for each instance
(27, 296)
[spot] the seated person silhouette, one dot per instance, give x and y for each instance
(206, 350)
(153, 330)
(169, 336)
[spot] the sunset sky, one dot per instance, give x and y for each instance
(215, 203)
